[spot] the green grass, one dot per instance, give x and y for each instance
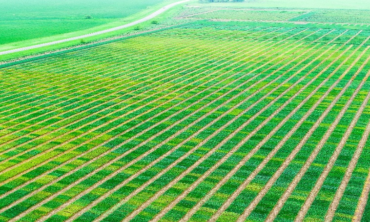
(93, 119)
(255, 15)
(24, 20)
(336, 16)
(330, 4)
(162, 22)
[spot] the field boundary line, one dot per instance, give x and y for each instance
(295, 151)
(104, 41)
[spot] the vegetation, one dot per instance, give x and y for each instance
(155, 127)
(221, 0)
(254, 15)
(336, 16)
(267, 118)
(38, 18)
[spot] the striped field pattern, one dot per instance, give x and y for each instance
(209, 121)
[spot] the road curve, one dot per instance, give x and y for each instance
(151, 16)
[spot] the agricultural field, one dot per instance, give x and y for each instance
(226, 121)
(251, 15)
(336, 16)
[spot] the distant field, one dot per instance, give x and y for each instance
(253, 15)
(238, 13)
(306, 4)
(336, 16)
(213, 120)
(30, 19)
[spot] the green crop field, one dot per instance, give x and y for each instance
(205, 121)
(256, 15)
(336, 16)
(22, 20)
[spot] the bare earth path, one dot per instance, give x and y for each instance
(147, 18)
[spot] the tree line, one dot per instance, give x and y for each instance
(221, 0)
